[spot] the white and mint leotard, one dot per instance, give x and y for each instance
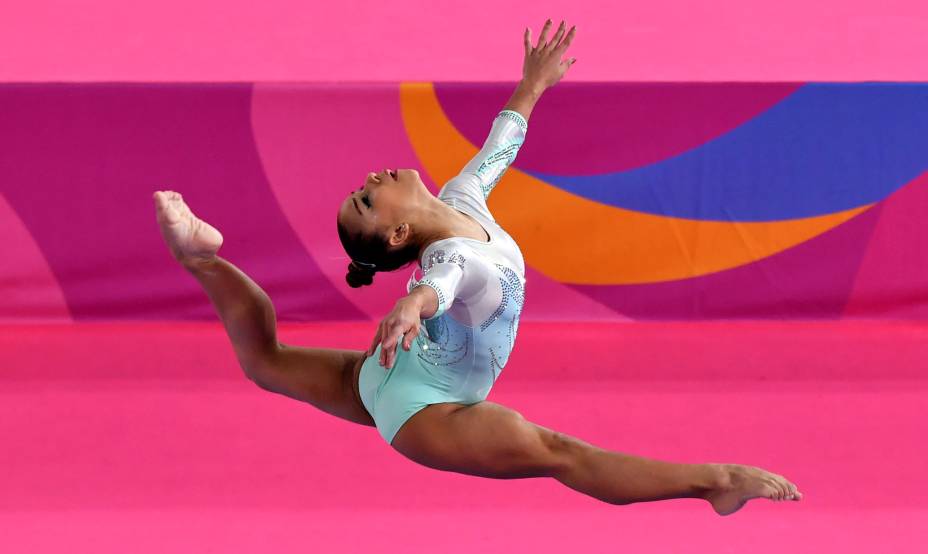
(480, 287)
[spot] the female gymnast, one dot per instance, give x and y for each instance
(425, 392)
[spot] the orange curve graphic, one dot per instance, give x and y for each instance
(579, 241)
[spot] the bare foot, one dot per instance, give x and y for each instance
(742, 483)
(190, 238)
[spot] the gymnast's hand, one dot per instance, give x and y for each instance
(543, 66)
(402, 322)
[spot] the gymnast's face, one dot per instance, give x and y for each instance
(383, 203)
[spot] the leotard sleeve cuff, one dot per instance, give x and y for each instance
(443, 302)
(515, 117)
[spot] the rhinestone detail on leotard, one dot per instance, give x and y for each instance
(516, 117)
(434, 286)
(512, 290)
(497, 162)
(439, 256)
(444, 345)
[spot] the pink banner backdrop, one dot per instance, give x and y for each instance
(480, 40)
(630, 201)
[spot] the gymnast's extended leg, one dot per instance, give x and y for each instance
(324, 378)
(491, 440)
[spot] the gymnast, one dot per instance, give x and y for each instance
(424, 380)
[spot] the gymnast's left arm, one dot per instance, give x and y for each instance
(541, 68)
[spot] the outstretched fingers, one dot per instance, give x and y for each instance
(544, 35)
(564, 44)
(555, 41)
(556, 48)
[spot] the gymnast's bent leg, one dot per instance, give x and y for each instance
(491, 440)
(324, 378)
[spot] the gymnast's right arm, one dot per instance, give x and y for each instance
(430, 297)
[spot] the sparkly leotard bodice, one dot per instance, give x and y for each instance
(480, 284)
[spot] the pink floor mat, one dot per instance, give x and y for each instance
(147, 438)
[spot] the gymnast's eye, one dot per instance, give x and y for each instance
(366, 201)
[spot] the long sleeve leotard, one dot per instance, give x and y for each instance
(480, 285)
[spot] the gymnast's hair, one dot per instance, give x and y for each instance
(371, 253)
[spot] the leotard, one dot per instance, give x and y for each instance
(480, 287)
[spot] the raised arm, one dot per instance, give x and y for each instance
(542, 67)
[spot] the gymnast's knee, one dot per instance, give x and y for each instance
(259, 368)
(561, 452)
(535, 452)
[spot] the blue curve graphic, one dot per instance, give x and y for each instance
(824, 149)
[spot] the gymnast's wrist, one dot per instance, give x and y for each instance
(423, 299)
(412, 301)
(533, 86)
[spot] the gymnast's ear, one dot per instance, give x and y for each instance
(401, 234)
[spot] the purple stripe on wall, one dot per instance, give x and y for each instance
(593, 128)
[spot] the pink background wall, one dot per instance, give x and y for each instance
(365, 40)
(144, 437)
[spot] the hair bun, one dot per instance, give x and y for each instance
(358, 276)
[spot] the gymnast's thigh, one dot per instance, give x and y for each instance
(484, 439)
(325, 378)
